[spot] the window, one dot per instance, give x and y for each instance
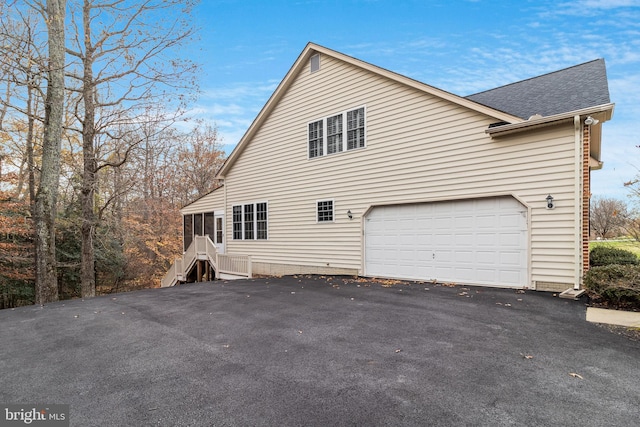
(261, 220)
(355, 129)
(315, 139)
(314, 63)
(340, 132)
(219, 230)
(237, 222)
(325, 210)
(334, 134)
(250, 221)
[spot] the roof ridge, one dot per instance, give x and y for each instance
(536, 77)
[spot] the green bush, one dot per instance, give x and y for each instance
(617, 286)
(603, 255)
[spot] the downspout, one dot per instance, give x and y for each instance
(577, 122)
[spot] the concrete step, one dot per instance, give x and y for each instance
(571, 293)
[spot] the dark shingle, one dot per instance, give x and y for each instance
(571, 89)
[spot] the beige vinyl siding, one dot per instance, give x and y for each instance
(418, 148)
(212, 202)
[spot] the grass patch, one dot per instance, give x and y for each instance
(630, 245)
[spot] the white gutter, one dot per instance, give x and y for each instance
(603, 111)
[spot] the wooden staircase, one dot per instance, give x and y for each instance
(203, 249)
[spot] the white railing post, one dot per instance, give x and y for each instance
(249, 267)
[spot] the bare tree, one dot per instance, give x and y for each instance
(46, 197)
(608, 216)
(22, 65)
(200, 157)
(122, 47)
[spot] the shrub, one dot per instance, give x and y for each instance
(605, 255)
(617, 286)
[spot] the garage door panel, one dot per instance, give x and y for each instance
(486, 239)
(482, 241)
(464, 257)
(464, 274)
(464, 222)
(510, 220)
(486, 221)
(486, 275)
(442, 223)
(510, 240)
(510, 258)
(510, 276)
(463, 240)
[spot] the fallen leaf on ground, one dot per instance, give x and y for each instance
(398, 350)
(526, 356)
(574, 375)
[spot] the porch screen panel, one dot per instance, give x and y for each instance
(187, 231)
(197, 224)
(209, 225)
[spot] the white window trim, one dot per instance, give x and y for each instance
(255, 220)
(333, 211)
(325, 132)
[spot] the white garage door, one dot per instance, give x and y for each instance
(479, 241)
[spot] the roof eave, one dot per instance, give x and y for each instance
(602, 112)
(266, 109)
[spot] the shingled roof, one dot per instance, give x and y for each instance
(581, 86)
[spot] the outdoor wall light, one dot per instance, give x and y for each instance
(349, 214)
(591, 121)
(550, 204)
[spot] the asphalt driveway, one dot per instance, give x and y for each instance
(320, 351)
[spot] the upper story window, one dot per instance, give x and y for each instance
(340, 132)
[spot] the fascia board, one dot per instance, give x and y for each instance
(602, 112)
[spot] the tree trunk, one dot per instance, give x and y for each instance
(47, 195)
(88, 260)
(30, 161)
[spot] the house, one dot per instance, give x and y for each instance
(353, 169)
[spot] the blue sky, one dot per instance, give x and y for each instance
(247, 47)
